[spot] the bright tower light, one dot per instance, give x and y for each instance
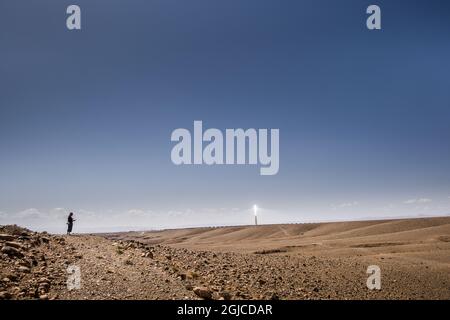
(255, 211)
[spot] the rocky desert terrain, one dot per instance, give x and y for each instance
(295, 261)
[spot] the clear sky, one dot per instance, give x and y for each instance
(86, 116)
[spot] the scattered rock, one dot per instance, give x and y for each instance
(45, 239)
(14, 244)
(203, 292)
(24, 269)
(274, 296)
(149, 254)
(12, 252)
(7, 237)
(226, 295)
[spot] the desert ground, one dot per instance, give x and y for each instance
(291, 261)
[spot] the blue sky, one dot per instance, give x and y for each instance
(86, 116)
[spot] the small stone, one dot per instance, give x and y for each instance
(12, 252)
(12, 277)
(203, 292)
(44, 286)
(6, 237)
(25, 263)
(274, 297)
(5, 295)
(43, 297)
(14, 244)
(191, 274)
(225, 295)
(24, 269)
(45, 239)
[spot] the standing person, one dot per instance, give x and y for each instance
(70, 221)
